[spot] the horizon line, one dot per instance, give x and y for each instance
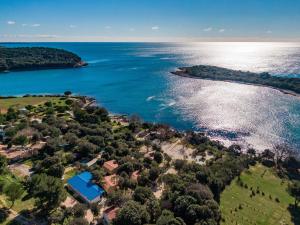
(125, 41)
(107, 39)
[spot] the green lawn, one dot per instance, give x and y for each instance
(28, 162)
(21, 203)
(21, 102)
(239, 208)
(67, 175)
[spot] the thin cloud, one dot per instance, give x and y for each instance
(24, 24)
(222, 30)
(36, 25)
(72, 26)
(269, 32)
(132, 29)
(11, 22)
(29, 35)
(155, 28)
(208, 29)
(107, 27)
(47, 36)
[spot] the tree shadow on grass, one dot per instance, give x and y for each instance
(295, 213)
(26, 197)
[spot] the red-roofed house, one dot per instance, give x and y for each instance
(110, 183)
(111, 166)
(109, 215)
(135, 175)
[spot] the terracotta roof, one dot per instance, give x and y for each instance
(110, 182)
(110, 165)
(111, 213)
(134, 176)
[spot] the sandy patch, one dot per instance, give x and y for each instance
(177, 150)
(89, 216)
(20, 169)
(69, 202)
(157, 191)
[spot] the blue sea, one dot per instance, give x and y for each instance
(134, 78)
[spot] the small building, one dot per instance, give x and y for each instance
(135, 175)
(111, 166)
(110, 183)
(83, 186)
(23, 111)
(109, 215)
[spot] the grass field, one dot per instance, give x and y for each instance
(70, 172)
(239, 208)
(21, 102)
(21, 203)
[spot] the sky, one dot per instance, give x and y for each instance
(149, 20)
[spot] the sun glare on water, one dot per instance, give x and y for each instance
(224, 108)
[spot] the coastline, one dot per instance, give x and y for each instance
(78, 65)
(182, 73)
(87, 101)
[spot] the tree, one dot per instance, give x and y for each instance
(2, 118)
(158, 157)
(126, 167)
(79, 210)
(182, 203)
(294, 190)
(153, 208)
(79, 221)
(200, 192)
(132, 213)
(267, 157)
(20, 140)
(142, 194)
(86, 148)
(71, 139)
(292, 164)
(154, 173)
(56, 170)
(281, 152)
(196, 213)
(143, 179)
(98, 176)
(95, 208)
(235, 149)
(13, 191)
(3, 164)
(251, 152)
(57, 216)
(52, 145)
(202, 176)
(116, 198)
(167, 218)
(48, 104)
(134, 123)
(4, 213)
(67, 93)
(48, 191)
(11, 114)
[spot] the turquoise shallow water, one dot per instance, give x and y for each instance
(134, 78)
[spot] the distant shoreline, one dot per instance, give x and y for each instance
(182, 73)
(37, 58)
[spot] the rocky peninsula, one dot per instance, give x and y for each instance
(286, 85)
